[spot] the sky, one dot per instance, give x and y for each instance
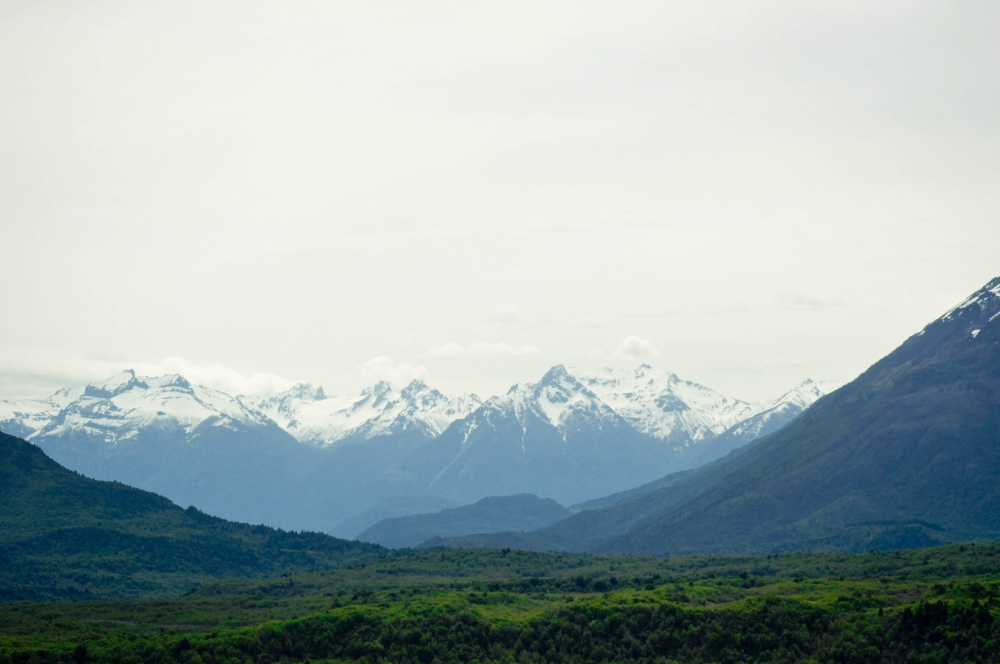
(253, 194)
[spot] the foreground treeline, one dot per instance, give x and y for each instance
(932, 605)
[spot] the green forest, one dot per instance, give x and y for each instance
(498, 605)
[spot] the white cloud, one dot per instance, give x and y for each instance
(480, 349)
(215, 375)
(633, 347)
(397, 375)
(804, 301)
(44, 376)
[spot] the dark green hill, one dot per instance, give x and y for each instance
(906, 455)
(63, 535)
(523, 511)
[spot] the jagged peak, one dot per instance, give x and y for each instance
(304, 392)
(114, 385)
(417, 387)
(169, 380)
(379, 391)
(555, 375)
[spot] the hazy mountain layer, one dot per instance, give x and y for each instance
(303, 460)
(489, 515)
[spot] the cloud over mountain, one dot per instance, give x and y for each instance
(397, 375)
(634, 348)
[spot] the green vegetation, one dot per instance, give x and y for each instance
(64, 536)
(930, 605)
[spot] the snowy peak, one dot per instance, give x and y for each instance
(306, 392)
(774, 415)
(23, 417)
(114, 386)
(116, 409)
(804, 395)
(309, 415)
(662, 405)
(554, 399)
(283, 407)
(983, 306)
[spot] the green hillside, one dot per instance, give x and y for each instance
(63, 535)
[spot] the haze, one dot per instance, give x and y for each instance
(746, 194)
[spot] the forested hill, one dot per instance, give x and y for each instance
(63, 535)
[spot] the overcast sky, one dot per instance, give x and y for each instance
(744, 193)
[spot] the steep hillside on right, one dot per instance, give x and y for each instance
(906, 455)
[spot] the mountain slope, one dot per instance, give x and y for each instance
(908, 454)
(63, 535)
(768, 418)
(489, 515)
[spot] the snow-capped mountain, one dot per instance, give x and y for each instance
(768, 418)
(295, 459)
(24, 417)
(554, 438)
(771, 417)
(559, 399)
(117, 410)
(575, 435)
(659, 405)
(194, 445)
(662, 405)
(312, 417)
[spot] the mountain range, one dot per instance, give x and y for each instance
(906, 455)
(302, 459)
